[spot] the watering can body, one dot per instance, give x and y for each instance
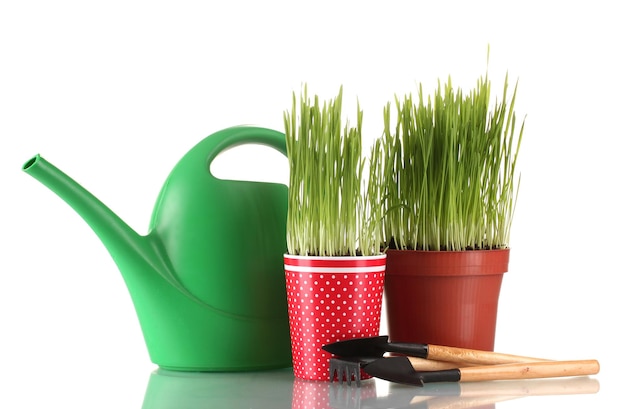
(207, 280)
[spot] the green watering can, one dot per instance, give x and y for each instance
(207, 281)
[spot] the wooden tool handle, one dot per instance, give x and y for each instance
(422, 364)
(575, 385)
(475, 356)
(530, 370)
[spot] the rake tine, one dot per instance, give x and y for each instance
(342, 373)
(356, 372)
(334, 370)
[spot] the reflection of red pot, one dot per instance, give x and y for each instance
(310, 395)
(444, 297)
(330, 299)
(326, 395)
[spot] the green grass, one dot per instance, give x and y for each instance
(447, 171)
(328, 206)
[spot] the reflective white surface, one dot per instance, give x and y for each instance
(115, 93)
(280, 389)
(160, 389)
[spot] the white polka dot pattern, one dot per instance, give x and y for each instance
(330, 299)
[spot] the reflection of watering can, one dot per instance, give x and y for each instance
(201, 390)
(207, 281)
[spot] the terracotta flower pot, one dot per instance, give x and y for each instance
(444, 297)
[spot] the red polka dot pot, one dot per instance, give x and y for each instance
(330, 299)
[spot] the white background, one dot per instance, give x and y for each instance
(115, 92)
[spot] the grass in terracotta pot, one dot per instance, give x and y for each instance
(334, 267)
(449, 185)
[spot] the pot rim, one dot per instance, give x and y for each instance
(447, 263)
(334, 258)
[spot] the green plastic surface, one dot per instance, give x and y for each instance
(207, 281)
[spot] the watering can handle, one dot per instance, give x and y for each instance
(207, 150)
(243, 134)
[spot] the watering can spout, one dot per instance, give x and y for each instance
(117, 236)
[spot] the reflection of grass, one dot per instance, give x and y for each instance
(448, 169)
(325, 179)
